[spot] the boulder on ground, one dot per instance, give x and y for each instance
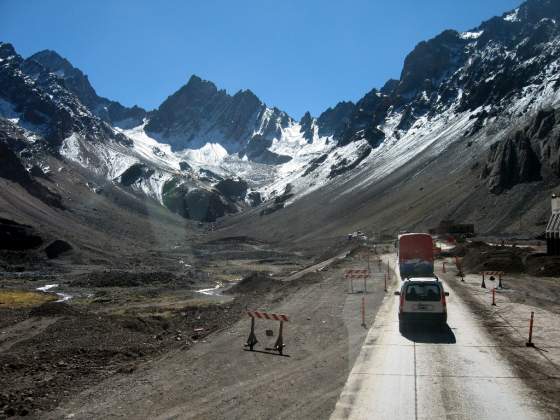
(56, 248)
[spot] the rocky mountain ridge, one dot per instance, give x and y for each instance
(457, 88)
(78, 83)
(199, 113)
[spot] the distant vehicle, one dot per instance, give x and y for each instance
(422, 299)
(357, 235)
(416, 255)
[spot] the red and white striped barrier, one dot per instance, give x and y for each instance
(266, 315)
(252, 340)
(356, 274)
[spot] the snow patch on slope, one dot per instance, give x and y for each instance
(513, 16)
(211, 154)
(150, 149)
(103, 158)
(471, 35)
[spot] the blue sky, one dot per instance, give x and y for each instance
(297, 55)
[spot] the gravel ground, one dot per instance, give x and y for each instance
(218, 379)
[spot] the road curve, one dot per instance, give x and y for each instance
(456, 373)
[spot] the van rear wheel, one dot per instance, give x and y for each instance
(442, 324)
(403, 325)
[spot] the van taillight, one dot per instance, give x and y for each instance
(443, 302)
(401, 300)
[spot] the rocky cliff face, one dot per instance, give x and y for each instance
(511, 162)
(13, 145)
(529, 154)
(42, 104)
(334, 121)
(199, 113)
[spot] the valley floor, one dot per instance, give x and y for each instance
(218, 378)
(164, 350)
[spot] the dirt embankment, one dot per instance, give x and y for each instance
(262, 284)
(480, 256)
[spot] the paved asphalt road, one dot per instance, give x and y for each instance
(427, 373)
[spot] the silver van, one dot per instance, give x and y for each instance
(422, 299)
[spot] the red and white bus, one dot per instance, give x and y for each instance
(416, 255)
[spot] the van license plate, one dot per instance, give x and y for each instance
(424, 307)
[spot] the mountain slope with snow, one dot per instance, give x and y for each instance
(460, 91)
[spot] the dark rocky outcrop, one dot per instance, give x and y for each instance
(257, 151)
(431, 61)
(335, 120)
(232, 189)
(315, 163)
(511, 162)
(135, 173)
(13, 169)
(389, 87)
(370, 111)
(344, 165)
(254, 198)
(279, 202)
(529, 154)
(57, 248)
(306, 130)
(196, 203)
(17, 237)
(209, 176)
(184, 166)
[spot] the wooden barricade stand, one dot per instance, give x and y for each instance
(356, 274)
(252, 340)
(492, 273)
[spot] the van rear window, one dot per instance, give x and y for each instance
(423, 292)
